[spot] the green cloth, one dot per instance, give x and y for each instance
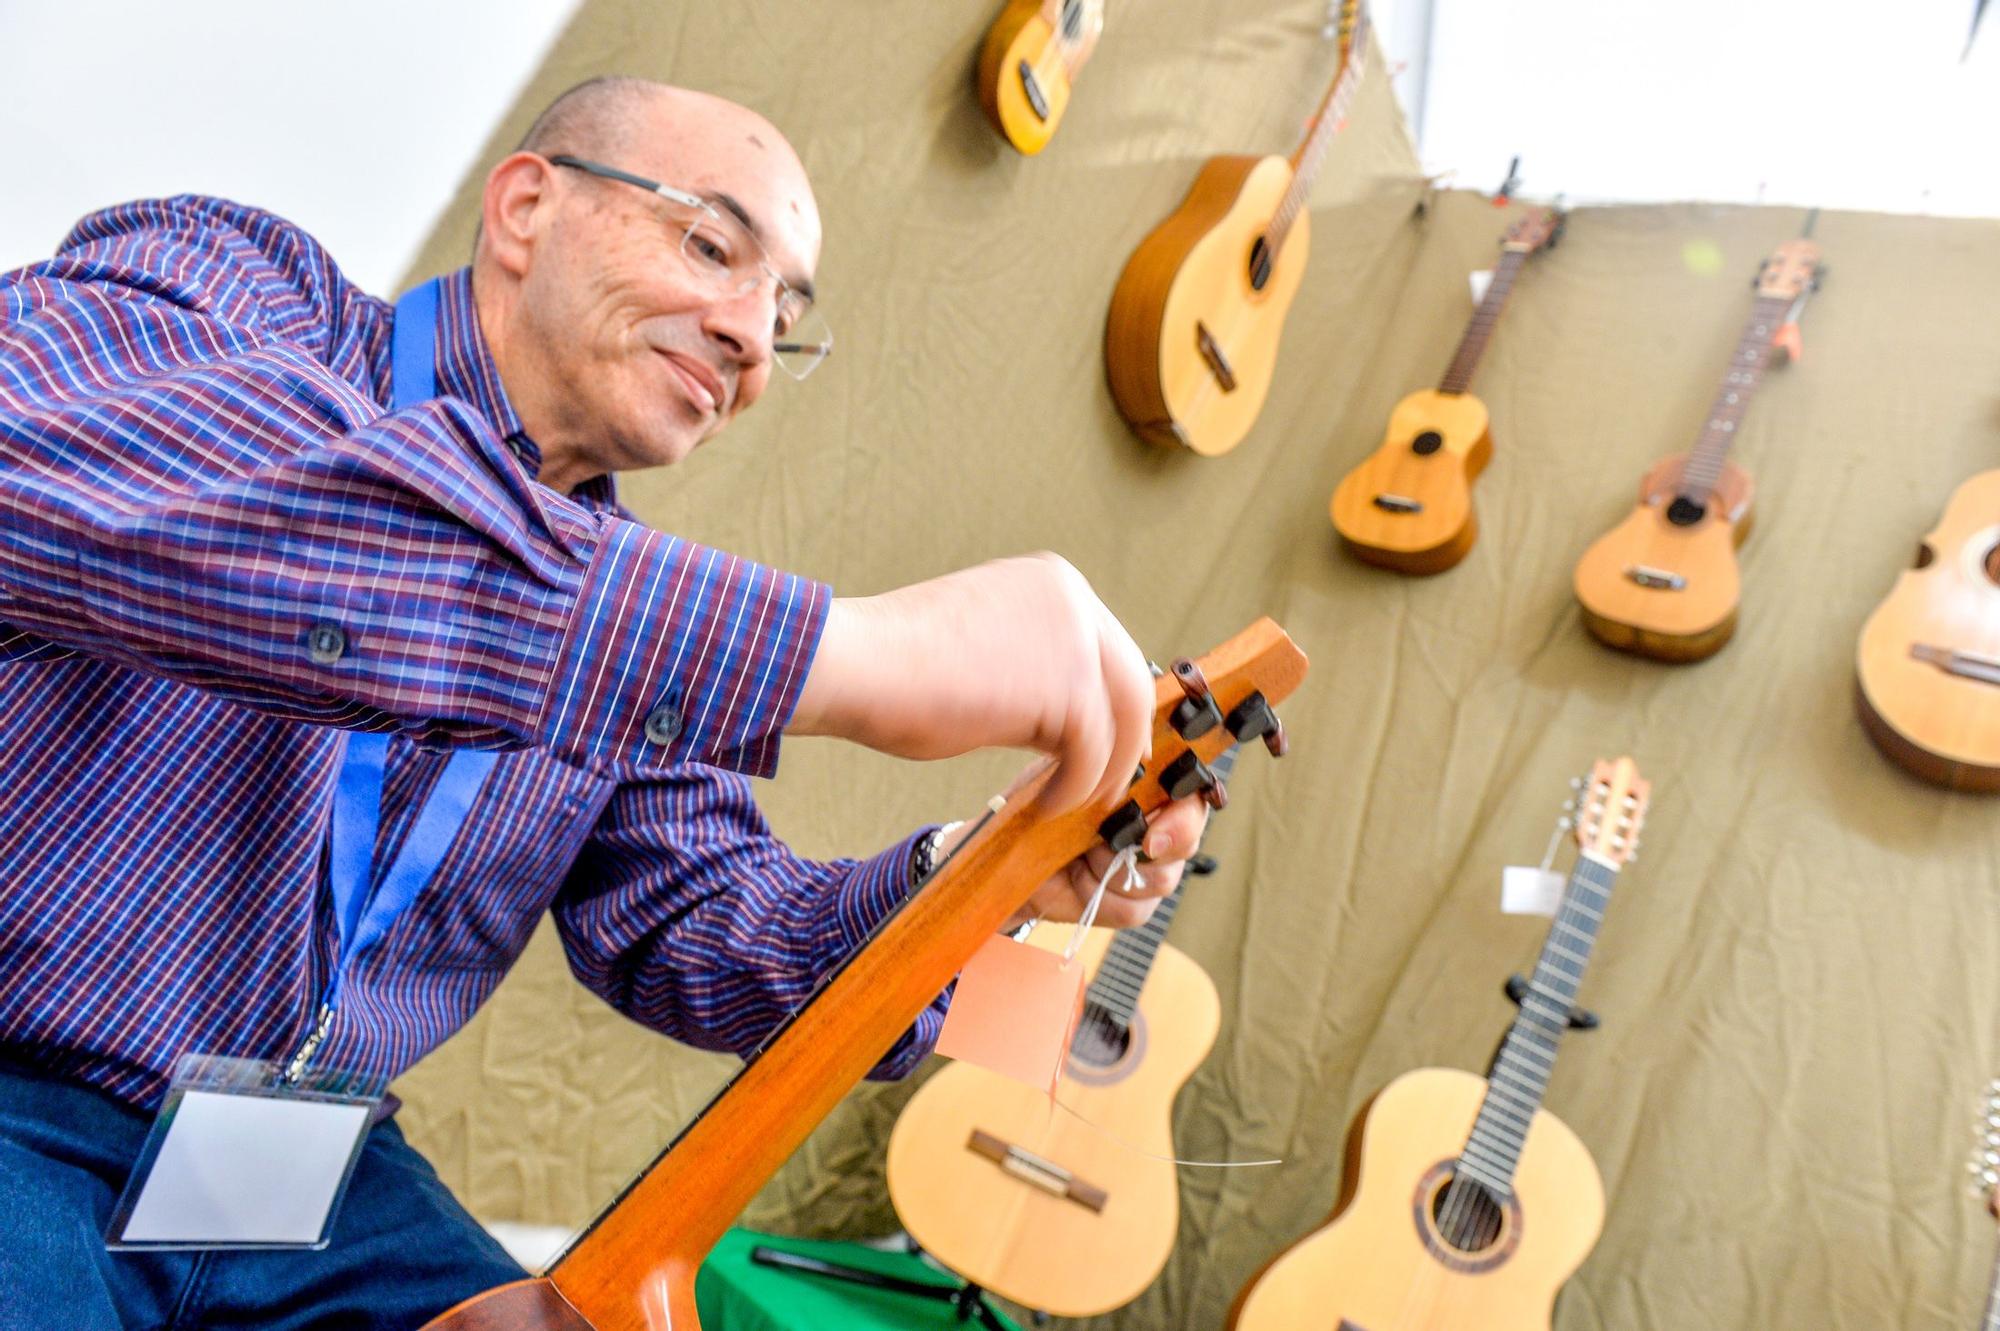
(736, 1294)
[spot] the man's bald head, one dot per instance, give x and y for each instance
(612, 348)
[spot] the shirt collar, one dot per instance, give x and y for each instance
(465, 370)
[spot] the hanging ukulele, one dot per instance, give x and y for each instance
(1409, 506)
(1928, 664)
(1465, 1203)
(1197, 313)
(1664, 583)
(1025, 1199)
(634, 1268)
(1031, 57)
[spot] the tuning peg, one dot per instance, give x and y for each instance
(1189, 775)
(1125, 826)
(1253, 718)
(1197, 713)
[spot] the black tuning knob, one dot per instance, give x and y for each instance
(1196, 714)
(1254, 719)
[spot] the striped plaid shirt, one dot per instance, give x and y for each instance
(218, 546)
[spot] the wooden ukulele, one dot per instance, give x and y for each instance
(634, 1268)
(1464, 1203)
(1409, 506)
(1664, 582)
(1195, 319)
(1031, 57)
(1043, 1205)
(1928, 666)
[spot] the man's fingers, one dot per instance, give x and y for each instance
(1174, 831)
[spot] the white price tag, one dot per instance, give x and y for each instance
(1527, 890)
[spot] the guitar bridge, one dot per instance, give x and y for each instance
(1211, 351)
(1965, 665)
(1038, 101)
(1659, 579)
(1399, 504)
(1038, 1172)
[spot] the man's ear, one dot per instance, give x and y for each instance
(517, 191)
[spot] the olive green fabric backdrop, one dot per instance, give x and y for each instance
(1795, 978)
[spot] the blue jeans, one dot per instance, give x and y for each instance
(403, 1249)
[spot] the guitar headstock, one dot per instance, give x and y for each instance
(1348, 20)
(1201, 707)
(1792, 271)
(1540, 229)
(1610, 810)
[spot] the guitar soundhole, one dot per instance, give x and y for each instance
(1104, 1045)
(1467, 1216)
(1260, 264)
(1992, 563)
(1685, 512)
(1464, 1226)
(1427, 443)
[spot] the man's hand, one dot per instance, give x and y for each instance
(1172, 834)
(1018, 653)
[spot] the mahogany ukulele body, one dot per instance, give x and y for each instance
(1023, 1238)
(1382, 1264)
(1192, 337)
(1661, 589)
(1936, 717)
(1409, 505)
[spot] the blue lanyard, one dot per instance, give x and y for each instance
(361, 915)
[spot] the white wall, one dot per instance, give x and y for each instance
(355, 120)
(1841, 103)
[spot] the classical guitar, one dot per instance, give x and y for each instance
(1070, 1211)
(1409, 506)
(1031, 57)
(1664, 582)
(634, 1268)
(1928, 666)
(1464, 1202)
(1197, 313)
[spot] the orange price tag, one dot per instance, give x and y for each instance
(1787, 340)
(1015, 1011)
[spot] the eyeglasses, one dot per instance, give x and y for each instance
(722, 254)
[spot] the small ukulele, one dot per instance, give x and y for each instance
(1042, 1205)
(1409, 506)
(1031, 58)
(1928, 666)
(1465, 1203)
(1197, 314)
(633, 1268)
(1664, 582)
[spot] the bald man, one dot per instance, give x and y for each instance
(329, 663)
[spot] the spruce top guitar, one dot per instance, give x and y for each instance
(1197, 314)
(1928, 664)
(1409, 506)
(1464, 1203)
(1071, 1211)
(1031, 57)
(1664, 582)
(634, 1268)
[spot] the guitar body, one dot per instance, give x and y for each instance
(1663, 590)
(1026, 66)
(1381, 1264)
(1025, 1242)
(1409, 505)
(1941, 725)
(1191, 341)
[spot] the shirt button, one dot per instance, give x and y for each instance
(663, 724)
(326, 642)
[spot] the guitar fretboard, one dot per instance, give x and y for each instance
(1520, 1074)
(1473, 344)
(1732, 399)
(1332, 115)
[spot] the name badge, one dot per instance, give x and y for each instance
(238, 1158)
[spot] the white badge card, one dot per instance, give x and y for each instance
(238, 1158)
